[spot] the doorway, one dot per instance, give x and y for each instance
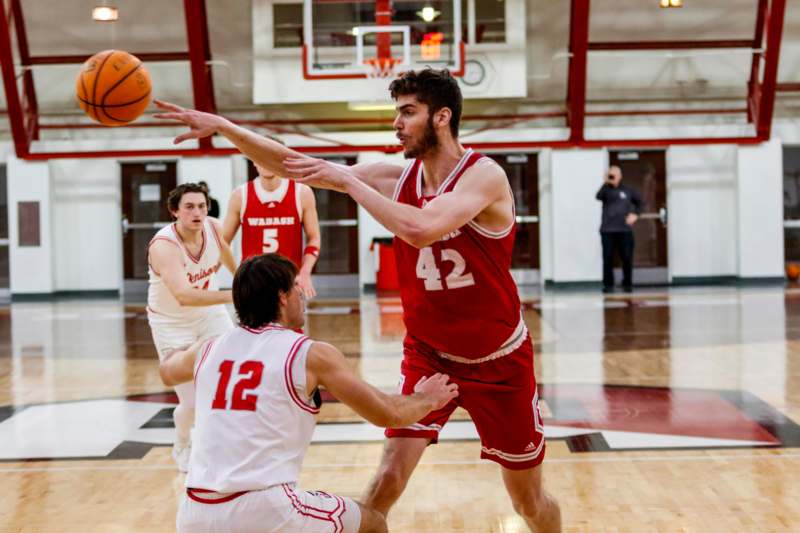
(646, 171)
(791, 203)
(145, 187)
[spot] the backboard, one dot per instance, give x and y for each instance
(377, 38)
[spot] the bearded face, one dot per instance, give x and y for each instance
(414, 127)
(424, 143)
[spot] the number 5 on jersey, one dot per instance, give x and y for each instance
(428, 271)
(270, 241)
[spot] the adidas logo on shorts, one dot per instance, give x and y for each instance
(530, 447)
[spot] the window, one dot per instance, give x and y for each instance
(490, 21)
(288, 25)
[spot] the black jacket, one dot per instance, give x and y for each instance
(618, 202)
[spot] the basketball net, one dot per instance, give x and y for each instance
(381, 67)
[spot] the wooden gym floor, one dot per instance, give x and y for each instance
(666, 411)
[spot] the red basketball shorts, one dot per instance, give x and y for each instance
(500, 395)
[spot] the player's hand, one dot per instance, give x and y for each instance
(631, 219)
(437, 389)
(305, 284)
(200, 124)
(317, 173)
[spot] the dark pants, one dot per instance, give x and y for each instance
(620, 242)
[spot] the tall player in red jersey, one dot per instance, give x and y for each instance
(273, 213)
(452, 211)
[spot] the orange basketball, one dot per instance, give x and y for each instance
(113, 87)
(792, 271)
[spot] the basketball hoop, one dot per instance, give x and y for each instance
(381, 67)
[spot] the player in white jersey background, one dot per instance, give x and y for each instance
(183, 301)
(256, 397)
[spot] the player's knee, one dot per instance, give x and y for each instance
(183, 411)
(372, 521)
(391, 479)
(531, 505)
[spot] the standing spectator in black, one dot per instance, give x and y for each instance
(213, 204)
(621, 208)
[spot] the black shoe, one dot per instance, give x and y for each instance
(628, 288)
(607, 290)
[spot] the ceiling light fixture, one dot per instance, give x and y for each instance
(105, 13)
(428, 14)
(371, 106)
(670, 3)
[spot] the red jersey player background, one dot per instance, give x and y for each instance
(453, 213)
(273, 213)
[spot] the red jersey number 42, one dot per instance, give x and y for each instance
(428, 271)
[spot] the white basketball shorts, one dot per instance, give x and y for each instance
(278, 509)
(170, 334)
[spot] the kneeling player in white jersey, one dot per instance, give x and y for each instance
(183, 303)
(256, 405)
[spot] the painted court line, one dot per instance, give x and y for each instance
(638, 459)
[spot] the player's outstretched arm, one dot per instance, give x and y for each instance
(165, 258)
(382, 177)
(325, 365)
(261, 150)
(479, 189)
(266, 152)
(178, 367)
(232, 216)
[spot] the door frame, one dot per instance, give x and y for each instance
(528, 276)
(133, 285)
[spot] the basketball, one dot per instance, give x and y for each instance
(792, 271)
(113, 87)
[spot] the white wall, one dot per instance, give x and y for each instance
(31, 268)
(218, 173)
(87, 245)
(701, 198)
(545, 215)
(576, 175)
(760, 210)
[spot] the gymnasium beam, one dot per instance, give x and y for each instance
(517, 118)
(576, 81)
(16, 116)
(383, 17)
(773, 30)
(752, 84)
(668, 45)
(199, 57)
(146, 57)
(394, 148)
(787, 87)
(30, 106)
